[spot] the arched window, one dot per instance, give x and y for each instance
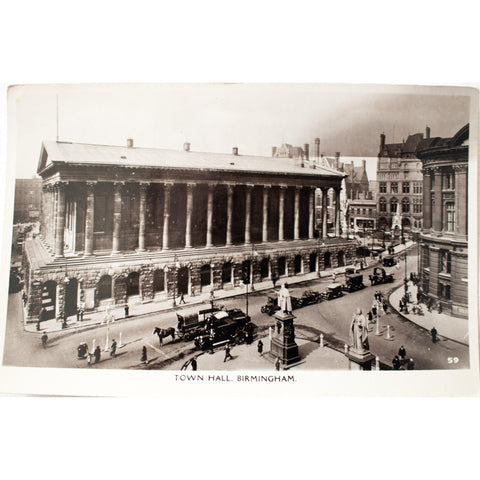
(327, 260)
(205, 275)
(159, 280)
(382, 205)
(282, 266)
(104, 287)
(264, 270)
(394, 205)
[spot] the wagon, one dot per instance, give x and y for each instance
(389, 261)
(189, 326)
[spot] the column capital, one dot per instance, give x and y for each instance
(266, 186)
(230, 187)
(90, 185)
(191, 186)
(249, 186)
(460, 167)
(168, 185)
(426, 171)
(143, 185)
(60, 185)
(282, 187)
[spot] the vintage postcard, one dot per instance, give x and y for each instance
(238, 239)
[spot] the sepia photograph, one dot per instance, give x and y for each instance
(258, 231)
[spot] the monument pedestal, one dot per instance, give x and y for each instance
(283, 344)
(359, 360)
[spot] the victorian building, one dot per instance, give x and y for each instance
(124, 224)
(400, 182)
(444, 240)
(28, 197)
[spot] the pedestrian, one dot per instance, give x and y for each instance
(44, 339)
(434, 332)
(227, 353)
(96, 354)
(24, 298)
(402, 353)
(127, 310)
(89, 359)
(144, 355)
(277, 363)
(260, 347)
(400, 305)
(411, 364)
(385, 307)
(374, 309)
(182, 299)
(193, 363)
(113, 348)
(369, 316)
(78, 314)
(396, 363)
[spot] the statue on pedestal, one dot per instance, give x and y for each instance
(284, 300)
(358, 335)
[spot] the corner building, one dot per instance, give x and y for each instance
(127, 224)
(444, 240)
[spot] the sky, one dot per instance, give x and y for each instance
(216, 117)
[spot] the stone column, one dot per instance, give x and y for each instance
(209, 215)
(60, 220)
(166, 216)
(461, 198)
(281, 213)
(311, 212)
(296, 215)
(427, 200)
(89, 218)
(188, 222)
(324, 212)
(438, 210)
(142, 217)
(248, 208)
(265, 214)
(337, 212)
(229, 213)
(117, 216)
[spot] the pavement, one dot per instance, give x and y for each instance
(247, 357)
(447, 326)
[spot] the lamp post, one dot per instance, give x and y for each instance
(405, 281)
(254, 254)
(175, 280)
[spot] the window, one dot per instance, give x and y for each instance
(405, 205)
(445, 261)
(406, 187)
(450, 216)
(382, 205)
(394, 187)
(448, 181)
(383, 187)
(393, 205)
(444, 291)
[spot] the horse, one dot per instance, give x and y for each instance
(162, 333)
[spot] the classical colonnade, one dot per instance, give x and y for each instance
(58, 213)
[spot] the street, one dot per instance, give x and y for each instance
(332, 318)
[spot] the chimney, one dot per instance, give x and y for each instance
(186, 146)
(364, 165)
(382, 141)
(306, 148)
(337, 160)
(316, 151)
(235, 150)
(427, 132)
(129, 142)
(274, 150)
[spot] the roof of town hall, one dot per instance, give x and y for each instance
(122, 156)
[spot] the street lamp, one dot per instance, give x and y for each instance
(177, 266)
(405, 281)
(254, 254)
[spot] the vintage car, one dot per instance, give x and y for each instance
(310, 297)
(353, 283)
(333, 290)
(389, 261)
(380, 276)
(271, 306)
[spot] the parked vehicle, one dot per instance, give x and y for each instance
(389, 261)
(353, 283)
(189, 326)
(310, 297)
(271, 306)
(334, 290)
(380, 276)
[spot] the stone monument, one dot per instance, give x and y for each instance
(283, 345)
(359, 355)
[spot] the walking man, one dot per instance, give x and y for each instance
(113, 348)
(402, 353)
(44, 339)
(182, 299)
(434, 332)
(227, 353)
(127, 310)
(277, 363)
(193, 363)
(144, 355)
(260, 347)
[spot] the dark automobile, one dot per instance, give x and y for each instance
(389, 261)
(271, 306)
(310, 297)
(353, 283)
(296, 302)
(334, 290)
(380, 276)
